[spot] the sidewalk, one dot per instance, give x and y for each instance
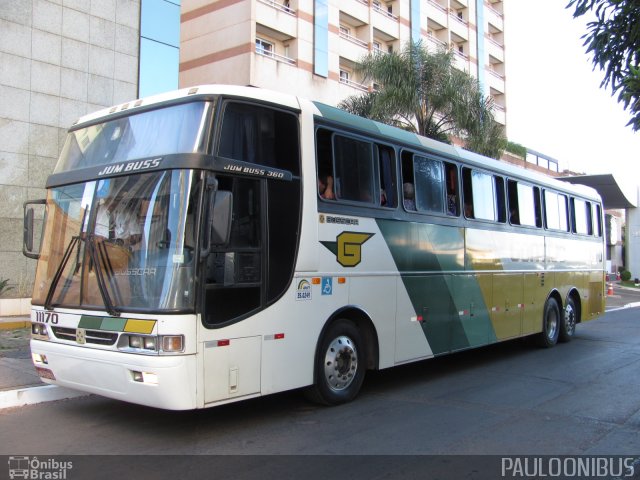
(19, 383)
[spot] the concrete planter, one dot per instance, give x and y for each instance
(11, 307)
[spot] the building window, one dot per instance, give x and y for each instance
(344, 76)
(264, 48)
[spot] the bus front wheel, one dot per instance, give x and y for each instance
(340, 365)
(550, 324)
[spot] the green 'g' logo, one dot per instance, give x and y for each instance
(348, 247)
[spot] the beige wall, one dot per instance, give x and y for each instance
(59, 60)
(218, 42)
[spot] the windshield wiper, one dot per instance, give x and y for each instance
(95, 258)
(58, 274)
(102, 284)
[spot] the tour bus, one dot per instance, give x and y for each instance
(221, 243)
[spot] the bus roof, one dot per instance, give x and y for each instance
(393, 134)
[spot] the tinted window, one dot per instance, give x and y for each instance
(354, 169)
(261, 135)
(581, 218)
(479, 195)
(429, 184)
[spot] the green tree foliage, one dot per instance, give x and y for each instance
(422, 92)
(613, 39)
(4, 287)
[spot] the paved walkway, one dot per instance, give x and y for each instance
(19, 382)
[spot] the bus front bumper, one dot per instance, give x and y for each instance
(167, 382)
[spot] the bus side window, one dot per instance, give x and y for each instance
(479, 190)
(326, 188)
(467, 193)
(512, 196)
(581, 221)
(353, 160)
(453, 197)
(500, 199)
(388, 183)
(524, 204)
(408, 187)
(429, 184)
(598, 221)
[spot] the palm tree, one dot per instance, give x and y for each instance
(422, 92)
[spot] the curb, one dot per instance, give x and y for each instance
(14, 325)
(33, 395)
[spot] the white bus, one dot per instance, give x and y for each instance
(220, 243)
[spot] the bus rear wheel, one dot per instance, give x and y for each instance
(340, 365)
(551, 321)
(569, 320)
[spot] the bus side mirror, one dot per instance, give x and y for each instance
(221, 218)
(28, 229)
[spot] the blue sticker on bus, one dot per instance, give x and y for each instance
(327, 286)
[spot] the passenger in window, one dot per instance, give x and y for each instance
(383, 198)
(325, 186)
(409, 196)
(514, 218)
(452, 205)
(468, 210)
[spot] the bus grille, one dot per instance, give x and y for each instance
(92, 336)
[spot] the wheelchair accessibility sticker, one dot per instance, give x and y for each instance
(327, 286)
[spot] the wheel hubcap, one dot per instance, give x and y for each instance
(340, 363)
(552, 324)
(570, 318)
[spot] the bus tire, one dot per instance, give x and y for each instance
(551, 321)
(569, 320)
(340, 365)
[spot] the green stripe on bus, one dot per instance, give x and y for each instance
(112, 324)
(90, 323)
(452, 305)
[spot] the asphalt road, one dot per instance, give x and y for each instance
(580, 398)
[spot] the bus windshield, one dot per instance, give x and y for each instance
(125, 242)
(176, 129)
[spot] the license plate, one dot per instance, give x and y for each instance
(45, 373)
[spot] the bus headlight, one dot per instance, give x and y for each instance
(152, 344)
(135, 341)
(39, 330)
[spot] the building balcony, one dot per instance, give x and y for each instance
(461, 61)
(385, 21)
(458, 26)
(277, 17)
(494, 49)
(353, 84)
(495, 80)
(352, 48)
(500, 115)
(357, 10)
(434, 44)
(437, 12)
(274, 56)
(494, 19)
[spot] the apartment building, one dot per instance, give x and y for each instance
(311, 47)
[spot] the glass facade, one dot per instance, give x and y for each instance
(321, 38)
(159, 46)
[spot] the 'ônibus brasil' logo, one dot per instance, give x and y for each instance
(348, 247)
